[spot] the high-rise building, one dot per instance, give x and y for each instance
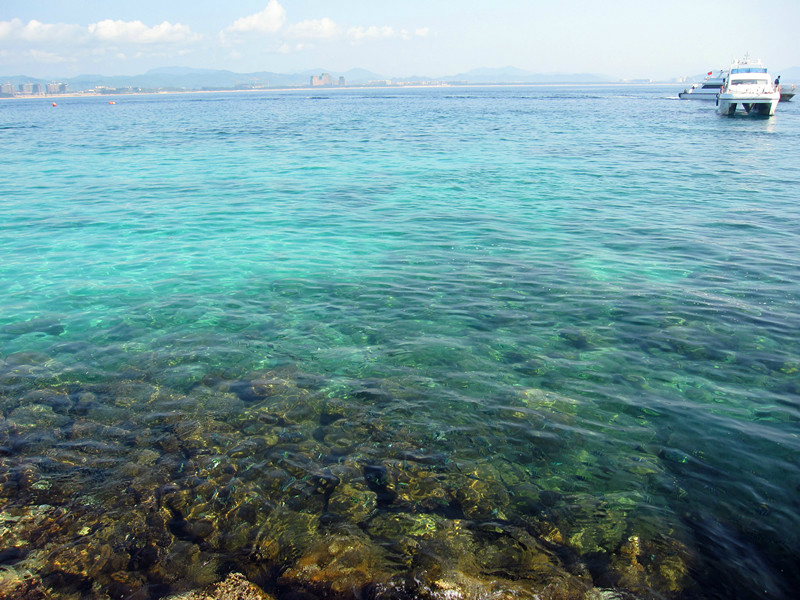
(323, 80)
(57, 88)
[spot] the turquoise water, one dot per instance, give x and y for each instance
(463, 332)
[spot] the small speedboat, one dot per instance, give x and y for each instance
(748, 85)
(706, 89)
(787, 91)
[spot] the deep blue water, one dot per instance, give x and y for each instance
(227, 319)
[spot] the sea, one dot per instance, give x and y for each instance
(441, 343)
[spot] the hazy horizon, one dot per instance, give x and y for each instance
(618, 39)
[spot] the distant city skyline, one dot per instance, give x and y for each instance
(616, 38)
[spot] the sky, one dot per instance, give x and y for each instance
(616, 38)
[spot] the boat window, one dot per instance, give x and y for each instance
(749, 70)
(709, 86)
(746, 81)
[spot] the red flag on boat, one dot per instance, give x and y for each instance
(710, 72)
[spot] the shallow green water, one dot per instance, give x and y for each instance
(439, 325)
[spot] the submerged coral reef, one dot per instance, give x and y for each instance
(311, 488)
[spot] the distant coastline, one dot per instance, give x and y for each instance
(189, 80)
(177, 79)
(93, 94)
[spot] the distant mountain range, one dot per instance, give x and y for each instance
(182, 78)
(172, 78)
(791, 75)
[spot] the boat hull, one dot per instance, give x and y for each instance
(728, 104)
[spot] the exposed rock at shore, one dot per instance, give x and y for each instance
(233, 587)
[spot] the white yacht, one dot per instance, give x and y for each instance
(748, 84)
(706, 89)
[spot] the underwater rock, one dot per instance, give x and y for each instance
(338, 566)
(192, 431)
(84, 560)
(184, 562)
(625, 563)
(46, 325)
(339, 440)
(5, 433)
(333, 409)
(557, 407)
(588, 524)
(28, 359)
(22, 370)
(303, 495)
(192, 489)
(415, 485)
(21, 585)
(31, 526)
(396, 526)
(284, 535)
(234, 587)
(526, 499)
(577, 338)
(58, 400)
(352, 503)
(147, 457)
(275, 390)
(125, 584)
(691, 341)
(216, 403)
(669, 573)
(452, 584)
(245, 391)
(651, 568)
(182, 377)
(134, 394)
(481, 493)
(511, 552)
(84, 429)
(372, 391)
(37, 416)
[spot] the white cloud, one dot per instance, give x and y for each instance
(136, 32)
(273, 19)
(36, 31)
(317, 29)
(359, 34)
(7, 28)
(267, 31)
(107, 31)
(269, 20)
(46, 57)
(370, 33)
